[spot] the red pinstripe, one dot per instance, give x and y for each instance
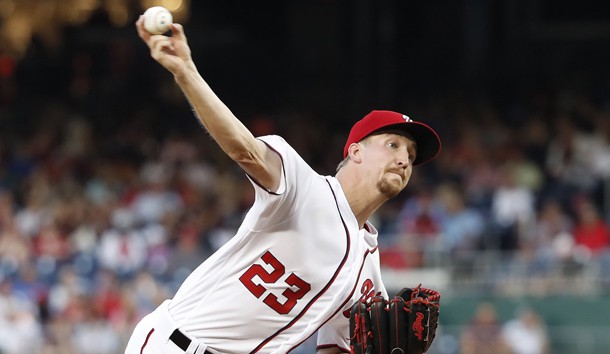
(146, 341)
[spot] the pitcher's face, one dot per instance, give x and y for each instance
(390, 156)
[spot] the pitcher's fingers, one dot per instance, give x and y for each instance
(178, 31)
(141, 31)
(159, 44)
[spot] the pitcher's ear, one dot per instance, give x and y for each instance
(355, 152)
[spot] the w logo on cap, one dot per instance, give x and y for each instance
(407, 118)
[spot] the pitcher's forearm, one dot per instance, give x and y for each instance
(254, 157)
(228, 131)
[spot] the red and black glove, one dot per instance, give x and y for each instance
(406, 323)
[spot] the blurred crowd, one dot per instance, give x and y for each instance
(110, 192)
(524, 333)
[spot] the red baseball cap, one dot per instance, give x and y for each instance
(428, 142)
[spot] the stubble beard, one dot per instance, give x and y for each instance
(390, 190)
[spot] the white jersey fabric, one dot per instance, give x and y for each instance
(296, 265)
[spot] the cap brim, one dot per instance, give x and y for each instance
(428, 142)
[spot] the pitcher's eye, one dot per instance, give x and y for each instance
(393, 145)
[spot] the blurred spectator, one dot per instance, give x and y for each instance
(157, 200)
(106, 299)
(58, 337)
(15, 250)
(591, 231)
(7, 207)
(30, 218)
(420, 214)
(27, 285)
(525, 172)
(122, 248)
(483, 333)
(549, 242)
(461, 227)
(512, 212)
(52, 244)
(95, 330)
(93, 334)
(190, 248)
(417, 232)
(20, 328)
(526, 334)
(569, 159)
(63, 293)
(600, 157)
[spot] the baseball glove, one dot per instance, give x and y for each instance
(404, 324)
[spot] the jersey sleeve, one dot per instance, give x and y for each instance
(335, 334)
(295, 181)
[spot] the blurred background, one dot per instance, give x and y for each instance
(111, 193)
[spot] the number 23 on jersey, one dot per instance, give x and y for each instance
(295, 290)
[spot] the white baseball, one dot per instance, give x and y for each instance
(157, 20)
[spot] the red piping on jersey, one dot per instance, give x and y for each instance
(326, 287)
(146, 341)
(366, 253)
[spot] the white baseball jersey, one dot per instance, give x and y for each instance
(296, 265)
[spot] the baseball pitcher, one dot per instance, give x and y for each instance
(305, 253)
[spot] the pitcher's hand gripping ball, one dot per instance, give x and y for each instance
(157, 20)
(406, 324)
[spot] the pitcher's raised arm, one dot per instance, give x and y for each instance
(174, 54)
